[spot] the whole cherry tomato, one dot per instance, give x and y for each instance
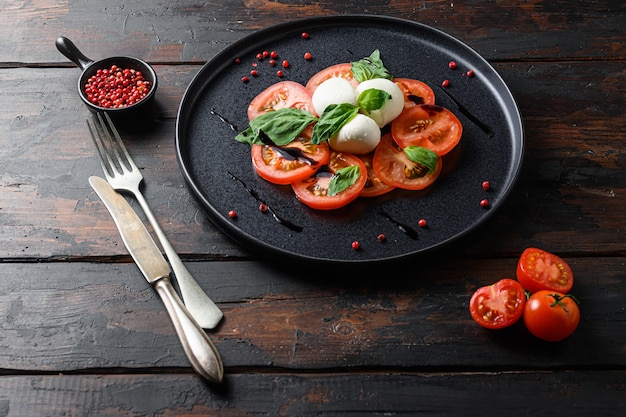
(551, 316)
(538, 270)
(499, 305)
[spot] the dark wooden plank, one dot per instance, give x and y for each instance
(69, 316)
(162, 31)
(569, 199)
(597, 393)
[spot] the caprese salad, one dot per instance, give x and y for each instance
(353, 130)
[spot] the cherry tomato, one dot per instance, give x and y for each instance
(284, 94)
(551, 315)
(290, 163)
(339, 70)
(431, 126)
(538, 270)
(394, 168)
(313, 190)
(415, 92)
(374, 186)
(499, 305)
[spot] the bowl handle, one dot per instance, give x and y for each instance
(67, 48)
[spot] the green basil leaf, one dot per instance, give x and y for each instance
(343, 178)
(372, 99)
(281, 126)
(370, 67)
(422, 156)
(334, 117)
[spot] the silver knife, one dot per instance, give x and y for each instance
(200, 351)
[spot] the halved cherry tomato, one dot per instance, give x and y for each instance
(499, 305)
(415, 92)
(313, 191)
(393, 167)
(339, 70)
(538, 270)
(284, 94)
(290, 163)
(374, 185)
(431, 126)
(551, 316)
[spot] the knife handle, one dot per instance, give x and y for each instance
(200, 351)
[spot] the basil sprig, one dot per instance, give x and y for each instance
(334, 117)
(370, 67)
(281, 126)
(343, 179)
(422, 156)
(372, 99)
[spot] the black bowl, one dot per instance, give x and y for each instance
(89, 67)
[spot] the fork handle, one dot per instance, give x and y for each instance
(198, 303)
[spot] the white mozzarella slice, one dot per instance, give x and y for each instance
(334, 90)
(392, 108)
(360, 135)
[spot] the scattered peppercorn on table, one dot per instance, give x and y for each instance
(84, 334)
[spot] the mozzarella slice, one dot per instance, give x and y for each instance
(360, 135)
(334, 90)
(392, 108)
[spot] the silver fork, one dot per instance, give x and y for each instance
(122, 173)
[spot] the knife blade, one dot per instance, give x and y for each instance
(199, 349)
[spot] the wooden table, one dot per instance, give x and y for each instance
(82, 333)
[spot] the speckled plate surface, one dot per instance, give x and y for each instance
(219, 172)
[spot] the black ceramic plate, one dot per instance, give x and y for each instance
(220, 175)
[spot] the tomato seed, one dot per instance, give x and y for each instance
(356, 245)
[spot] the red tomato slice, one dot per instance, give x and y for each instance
(374, 185)
(539, 270)
(313, 190)
(284, 94)
(499, 305)
(415, 92)
(339, 70)
(551, 316)
(394, 168)
(433, 127)
(290, 163)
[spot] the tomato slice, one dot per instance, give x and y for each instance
(374, 186)
(431, 126)
(499, 305)
(415, 92)
(394, 168)
(284, 94)
(313, 191)
(339, 70)
(551, 316)
(290, 163)
(538, 270)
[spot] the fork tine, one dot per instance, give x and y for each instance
(109, 169)
(118, 139)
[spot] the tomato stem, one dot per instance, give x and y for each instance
(558, 300)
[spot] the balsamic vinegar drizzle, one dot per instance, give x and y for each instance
(223, 119)
(483, 126)
(255, 195)
(408, 230)
(290, 154)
